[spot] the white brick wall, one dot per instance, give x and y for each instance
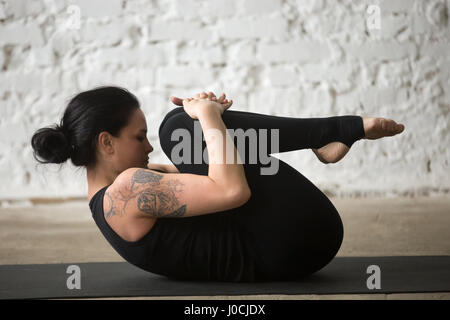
(299, 58)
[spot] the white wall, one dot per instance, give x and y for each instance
(282, 57)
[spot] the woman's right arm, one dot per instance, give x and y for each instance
(227, 173)
(147, 193)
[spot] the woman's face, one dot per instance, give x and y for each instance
(132, 147)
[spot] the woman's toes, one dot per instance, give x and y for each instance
(391, 126)
(376, 128)
(395, 128)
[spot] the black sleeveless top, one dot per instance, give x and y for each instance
(206, 247)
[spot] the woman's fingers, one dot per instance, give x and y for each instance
(221, 98)
(211, 96)
(187, 100)
(177, 101)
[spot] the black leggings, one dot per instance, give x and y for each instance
(294, 226)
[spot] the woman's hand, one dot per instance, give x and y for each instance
(193, 106)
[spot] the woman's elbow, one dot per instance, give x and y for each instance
(241, 196)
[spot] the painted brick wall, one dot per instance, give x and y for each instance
(296, 58)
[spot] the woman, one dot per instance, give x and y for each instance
(198, 219)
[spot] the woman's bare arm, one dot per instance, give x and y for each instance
(223, 167)
(168, 168)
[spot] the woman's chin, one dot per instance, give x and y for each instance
(143, 165)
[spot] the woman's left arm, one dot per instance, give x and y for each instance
(168, 168)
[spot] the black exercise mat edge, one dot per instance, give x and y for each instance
(344, 275)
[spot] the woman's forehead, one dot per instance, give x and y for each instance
(137, 121)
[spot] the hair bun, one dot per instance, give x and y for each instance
(51, 144)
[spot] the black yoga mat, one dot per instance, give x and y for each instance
(344, 275)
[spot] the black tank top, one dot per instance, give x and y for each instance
(206, 247)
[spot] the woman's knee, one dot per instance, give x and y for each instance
(172, 122)
(168, 116)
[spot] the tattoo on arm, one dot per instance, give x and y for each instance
(117, 202)
(156, 199)
(143, 177)
(158, 203)
(109, 212)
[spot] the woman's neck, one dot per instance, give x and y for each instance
(98, 178)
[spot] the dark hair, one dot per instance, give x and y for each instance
(86, 116)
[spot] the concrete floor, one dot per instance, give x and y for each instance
(66, 233)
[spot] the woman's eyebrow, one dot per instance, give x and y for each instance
(144, 130)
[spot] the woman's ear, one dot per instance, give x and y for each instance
(105, 142)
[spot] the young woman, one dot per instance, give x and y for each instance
(205, 220)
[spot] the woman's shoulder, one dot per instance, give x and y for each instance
(122, 214)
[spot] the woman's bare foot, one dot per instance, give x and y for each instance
(374, 128)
